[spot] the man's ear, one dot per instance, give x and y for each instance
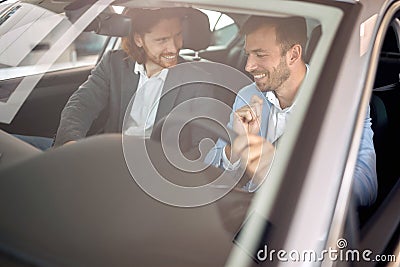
(294, 53)
(137, 38)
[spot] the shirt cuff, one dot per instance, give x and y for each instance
(227, 165)
(250, 186)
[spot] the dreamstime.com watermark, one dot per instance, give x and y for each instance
(340, 253)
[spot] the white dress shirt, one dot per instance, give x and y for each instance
(278, 118)
(145, 103)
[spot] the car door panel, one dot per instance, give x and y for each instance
(40, 113)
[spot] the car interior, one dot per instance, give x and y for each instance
(385, 117)
(384, 112)
(100, 159)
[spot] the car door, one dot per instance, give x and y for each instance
(372, 233)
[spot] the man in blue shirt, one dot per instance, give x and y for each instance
(275, 49)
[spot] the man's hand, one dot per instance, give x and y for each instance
(256, 155)
(247, 119)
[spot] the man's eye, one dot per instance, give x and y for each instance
(163, 40)
(261, 55)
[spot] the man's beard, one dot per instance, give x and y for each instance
(164, 62)
(276, 78)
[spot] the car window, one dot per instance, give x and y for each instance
(35, 41)
(27, 34)
(222, 26)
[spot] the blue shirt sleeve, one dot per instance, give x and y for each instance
(365, 185)
(214, 156)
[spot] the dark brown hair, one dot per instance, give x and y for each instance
(142, 22)
(289, 30)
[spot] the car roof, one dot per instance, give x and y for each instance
(59, 5)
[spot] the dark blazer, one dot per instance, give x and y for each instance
(109, 89)
(110, 86)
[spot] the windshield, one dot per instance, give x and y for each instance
(158, 116)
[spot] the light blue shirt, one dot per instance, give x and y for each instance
(365, 185)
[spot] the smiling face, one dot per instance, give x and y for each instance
(161, 45)
(265, 60)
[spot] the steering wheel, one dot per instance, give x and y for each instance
(179, 121)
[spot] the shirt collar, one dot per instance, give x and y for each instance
(139, 69)
(271, 97)
(307, 70)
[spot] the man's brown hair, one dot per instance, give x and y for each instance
(289, 30)
(142, 22)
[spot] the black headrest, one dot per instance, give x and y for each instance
(196, 30)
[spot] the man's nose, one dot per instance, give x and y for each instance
(174, 45)
(251, 64)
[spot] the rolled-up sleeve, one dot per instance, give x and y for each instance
(365, 185)
(214, 156)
